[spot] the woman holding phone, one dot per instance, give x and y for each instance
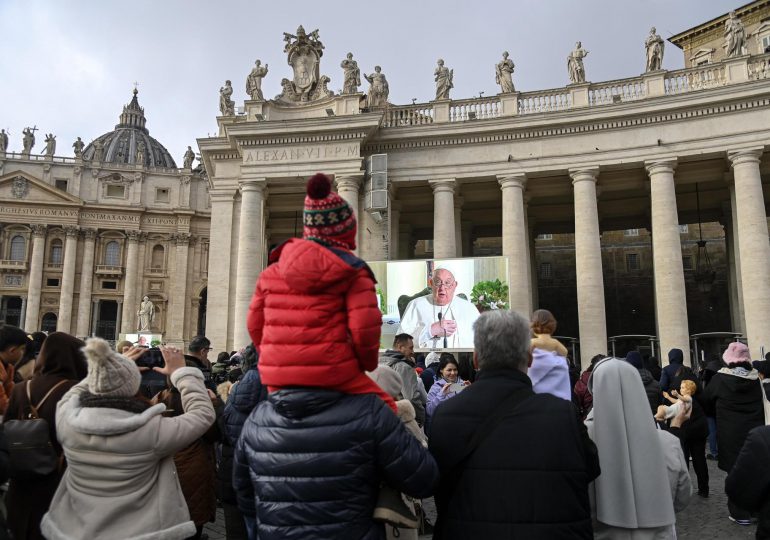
(448, 384)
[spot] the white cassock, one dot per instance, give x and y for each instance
(422, 312)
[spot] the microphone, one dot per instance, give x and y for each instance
(439, 320)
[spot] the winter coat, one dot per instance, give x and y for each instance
(411, 389)
(120, 480)
(748, 483)
(428, 376)
(316, 458)
(652, 389)
(549, 374)
(736, 402)
(195, 464)
(28, 500)
(315, 321)
(436, 397)
(552, 465)
(584, 400)
(244, 397)
(676, 361)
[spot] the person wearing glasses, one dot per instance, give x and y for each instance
(198, 356)
(440, 317)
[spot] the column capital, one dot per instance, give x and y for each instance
(518, 180)
(133, 236)
(88, 233)
(221, 194)
(347, 182)
(584, 174)
(745, 155)
(446, 185)
(38, 229)
(259, 185)
(660, 166)
(71, 230)
(181, 239)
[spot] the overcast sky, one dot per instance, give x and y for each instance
(69, 67)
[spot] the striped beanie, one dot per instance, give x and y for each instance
(328, 219)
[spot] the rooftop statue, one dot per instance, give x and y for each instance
(254, 81)
(140, 153)
(189, 157)
(577, 73)
(304, 53)
(50, 144)
(352, 77)
(226, 105)
(443, 77)
(378, 89)
(98, 151)
(78, 146)
(29, 140)
(654, 45)
(735, 36)
(3, 141)
(504, 74)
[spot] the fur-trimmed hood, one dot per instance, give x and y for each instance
(408, 417)
(107, 421)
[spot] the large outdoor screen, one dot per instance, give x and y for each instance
(437, 301)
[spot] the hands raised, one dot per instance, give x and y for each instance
(174, 359)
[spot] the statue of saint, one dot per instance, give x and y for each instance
(378, 89)
(504, 74)
(50, 144)
(146, 314)
(28, 141)
(78, 146)
(352, 77)
(443, 77)
(3, 141)
(577, 73)
(226, 105)
(254, 81)
(735, 36)
(140, 148)
(654, 45)
(189, 157)
(98, 151)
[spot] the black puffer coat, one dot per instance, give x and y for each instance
(527, 479)
(736, 402)
(316, 459)
(244, 397)
(652, 389)
(748, 484)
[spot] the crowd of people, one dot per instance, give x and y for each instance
(312, 432)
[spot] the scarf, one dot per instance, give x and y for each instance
(128, 404)
(633, 490)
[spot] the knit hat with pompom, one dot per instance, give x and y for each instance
(109, 373)
(329, 220)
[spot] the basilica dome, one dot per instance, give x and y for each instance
(121, 144)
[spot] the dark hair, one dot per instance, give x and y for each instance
(223, 357)
(595, 360)
(445, 360)
(198, 343)
(543, 322)
(249, 358)
(401, 339)
(12, 336)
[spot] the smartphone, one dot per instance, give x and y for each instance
(152, 358)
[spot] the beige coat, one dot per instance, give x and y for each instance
(121, 482)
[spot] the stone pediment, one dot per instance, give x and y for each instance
(22, 187)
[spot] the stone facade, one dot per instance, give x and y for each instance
(83, 240)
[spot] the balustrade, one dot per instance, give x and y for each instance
(617, 91)
(409, 115)
(695, 78)
(543, 101)
(477, 108)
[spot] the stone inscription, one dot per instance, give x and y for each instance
(301, 153)
(158, 221)
(44, 212)
(101, 216)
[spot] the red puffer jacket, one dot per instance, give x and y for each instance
(315, 321)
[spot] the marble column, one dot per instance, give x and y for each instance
(250, 235)
(349, 187)
(64, 321)
(178, 294)
(592, 320)
(670, 298)
(35, 278)
(119, 318)
(754, 247)
(444, 234)
(458, 227)
(735, 263)
(220, 269)
(129, 323)
(515, 239)
(394, 232)
(86, 283)
(23, 314)
(94, 316)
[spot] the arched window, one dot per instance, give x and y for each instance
(112, 254)
(18, 248)
(158, 254)
(56, 252)
(49, 323)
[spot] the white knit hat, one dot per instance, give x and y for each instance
(110, 373)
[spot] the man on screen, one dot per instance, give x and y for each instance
(439, 315)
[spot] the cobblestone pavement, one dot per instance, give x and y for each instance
(702, 519)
